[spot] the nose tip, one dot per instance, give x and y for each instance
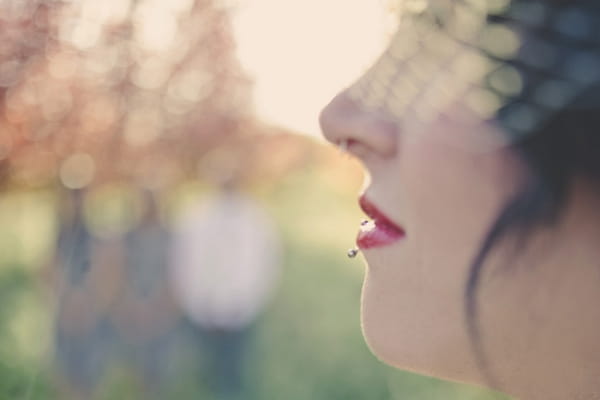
(330, 119)
(344, 120)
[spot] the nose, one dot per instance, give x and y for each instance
(365, 131)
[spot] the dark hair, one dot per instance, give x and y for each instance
(565, 147)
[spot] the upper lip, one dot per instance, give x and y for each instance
(373, 212)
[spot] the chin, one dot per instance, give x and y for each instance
(417, 357)
(386, 343)
(390, 310)
(386, 349)
(404, 335)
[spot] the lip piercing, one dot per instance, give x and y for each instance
(352, 252)
(364, 222)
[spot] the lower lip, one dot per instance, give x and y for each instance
(378, 235)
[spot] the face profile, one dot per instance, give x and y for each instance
(478, 135)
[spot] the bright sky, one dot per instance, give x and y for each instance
(302, 52)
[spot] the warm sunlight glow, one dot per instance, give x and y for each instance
(301, 53)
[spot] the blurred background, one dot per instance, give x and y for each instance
(172, 226)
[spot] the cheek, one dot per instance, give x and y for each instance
(453, 197)
(413, 298)
(413, 319)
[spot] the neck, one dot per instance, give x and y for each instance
(545, 336)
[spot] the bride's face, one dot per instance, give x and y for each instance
(435, 186)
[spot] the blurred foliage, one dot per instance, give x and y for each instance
(143, 90)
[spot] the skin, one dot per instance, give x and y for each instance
(538, 314)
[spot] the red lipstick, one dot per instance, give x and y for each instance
(381, 231)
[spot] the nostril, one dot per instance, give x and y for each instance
(344, 122)
(334, 118)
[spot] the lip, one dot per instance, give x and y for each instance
(381, 231)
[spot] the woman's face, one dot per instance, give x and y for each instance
(439, 175)
(441, 183)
